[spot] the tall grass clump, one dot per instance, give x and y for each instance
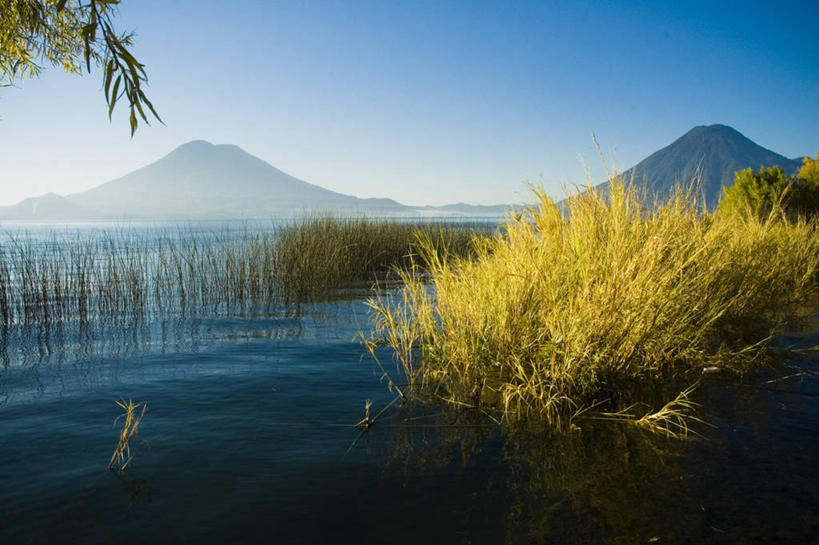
(562, 311)
(320, 254)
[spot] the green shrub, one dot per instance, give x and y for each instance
(759, 193)
(754, 193)
(806, 190)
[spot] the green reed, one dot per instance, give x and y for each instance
(321, 254)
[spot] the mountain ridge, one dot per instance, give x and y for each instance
(201, 180)
(47, 207)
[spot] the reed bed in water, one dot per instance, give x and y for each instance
(118, 274)
(559, 312)
(320, 254)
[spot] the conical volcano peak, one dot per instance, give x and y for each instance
(715, 131)
(194, 148)
(710, 153)
(195, 144)
(204, 151)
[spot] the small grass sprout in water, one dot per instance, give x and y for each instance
(672, 420)
(130, 428)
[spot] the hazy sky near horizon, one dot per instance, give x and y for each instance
(426, 102)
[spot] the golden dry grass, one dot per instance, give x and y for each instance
(560, 310)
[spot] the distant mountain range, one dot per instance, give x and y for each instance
(199, 180)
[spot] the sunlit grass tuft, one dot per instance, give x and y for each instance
(558, 310)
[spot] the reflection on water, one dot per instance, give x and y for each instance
(46, 359)
(606, 484)
(750, 478)
(31, 345)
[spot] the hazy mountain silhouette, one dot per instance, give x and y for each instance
(46, 207)
(714, 152)
(202, 180)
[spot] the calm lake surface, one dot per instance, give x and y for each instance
(248, 438)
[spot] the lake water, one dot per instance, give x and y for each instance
(248, 438)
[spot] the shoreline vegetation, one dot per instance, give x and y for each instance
(566, 316)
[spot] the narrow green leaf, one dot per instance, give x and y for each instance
(133, 64)
(130, 61)
(135, 102)
(150, 106)
(114, 96)
(109, 72)
(116, 87)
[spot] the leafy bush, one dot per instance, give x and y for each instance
(759, 193)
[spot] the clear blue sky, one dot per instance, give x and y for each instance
(427, 102)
